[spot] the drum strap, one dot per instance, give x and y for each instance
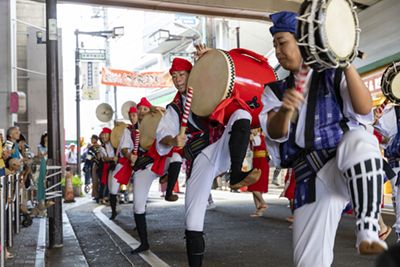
(142, 162)
(199, 137)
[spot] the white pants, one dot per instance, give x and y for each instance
(396, 197)
(114, 185)
(211, 162)
(315, 224)
(142, 181)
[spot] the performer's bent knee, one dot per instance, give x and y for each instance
(240, 114)
(176, 157)
(357, 145)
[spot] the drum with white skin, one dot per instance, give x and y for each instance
(390, 84)
(328, 33)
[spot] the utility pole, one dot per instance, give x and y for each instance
(115, 103)
(237, 37)
(53, 121)
(108, 58)
(78, 105)
(211, 33)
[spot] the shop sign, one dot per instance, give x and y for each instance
(373, 83)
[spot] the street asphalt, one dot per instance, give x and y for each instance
(232, 237)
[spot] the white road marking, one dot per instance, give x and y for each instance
(148, 256)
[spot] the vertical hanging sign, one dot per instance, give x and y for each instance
(90, 80)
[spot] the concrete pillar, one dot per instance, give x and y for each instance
(7, 12)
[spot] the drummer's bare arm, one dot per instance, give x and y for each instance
(126, 153)
(154, 110)
(359, 93)
(201, 50)
(108, 159)
(178, 141)
(278, 122)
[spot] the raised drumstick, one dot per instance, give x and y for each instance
(300, 84)
(382, 107)
(189, 96)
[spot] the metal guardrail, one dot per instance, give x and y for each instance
(9, 208)
(53, 194)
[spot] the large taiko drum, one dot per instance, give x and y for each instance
(224, 82)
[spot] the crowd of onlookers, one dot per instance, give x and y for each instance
(17, 159)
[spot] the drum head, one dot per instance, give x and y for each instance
(148, 129)
(395, 86)
(336, 34)
(211, 79)
(390, 84)
(340, 28)
(116, 134)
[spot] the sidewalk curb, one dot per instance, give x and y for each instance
(41, 244)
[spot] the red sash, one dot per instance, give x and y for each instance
(159, 161)
(219, 112)
(105, 173)
(124, 174)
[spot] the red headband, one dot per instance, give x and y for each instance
(106, 130)
(180, 64)
(144, 102)
(132, 110)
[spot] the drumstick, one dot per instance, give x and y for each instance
(361, 54)
(382, 107)
(136, 145)
(118, 153)
(301, 81)
(186, 111)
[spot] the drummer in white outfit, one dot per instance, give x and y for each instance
(209, 163)
(354, 172)
(108, 156)
(142, 180)
(387, 126)
(125, 148)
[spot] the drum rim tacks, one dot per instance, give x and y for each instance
(387, 78)
(311, 50)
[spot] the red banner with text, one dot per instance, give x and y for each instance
(129, 79)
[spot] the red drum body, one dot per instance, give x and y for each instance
(224, 82)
